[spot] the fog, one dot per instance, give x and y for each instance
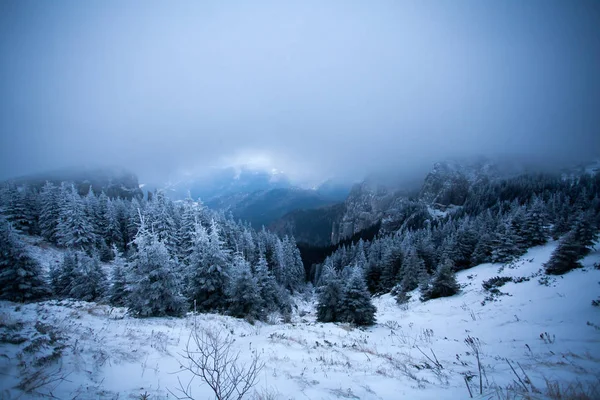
(314, 88)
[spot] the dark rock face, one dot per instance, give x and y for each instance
(266, 206)
(313, 227)
(449, 182)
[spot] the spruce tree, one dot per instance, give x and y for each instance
(155, 288)
(444, 282)
(62, 277)
(330, 296)
(209, 272)
(413, 271)
(117, 294)
(75, 230)
(21, 276)
(243, 291)
(89, 280)
(573, 247)
(49, 211)
(356, 306)
(267, 286)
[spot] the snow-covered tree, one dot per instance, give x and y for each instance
(267, 286)
(505, 244)
(89, 280)
(154, 289)
(243, 291)
(61, 276)
(210, 275)
(293, 270)
(21, 276)
(356, 306)
(573, 247)
(444, 282)
(330, 295)
(75, 230)
(118, 291)
(49, 211)
(413, 271)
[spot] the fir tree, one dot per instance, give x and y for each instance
(356, 306)
(155, 289)
(506, 244)
(21, 276)
(74, 228)
(267, 286)
(243, 291)
(62, 277)
(444, 282)
(118, 292)
(413, 271)
(573, 247)
(49, 211)
(208, 263)
(330, 296)
(89, 280)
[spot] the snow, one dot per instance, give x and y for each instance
(108, 354)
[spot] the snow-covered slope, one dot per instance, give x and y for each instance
(546, 331)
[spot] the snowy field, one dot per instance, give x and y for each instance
(544, 331)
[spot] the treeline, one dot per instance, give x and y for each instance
(498, 222)
(166, 257)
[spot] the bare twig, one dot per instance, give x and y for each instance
(209, 355)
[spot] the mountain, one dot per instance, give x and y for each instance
(113, 181)
(262, 207)
(372, 202)
(255, 195)
(310, 226)
(225, 182)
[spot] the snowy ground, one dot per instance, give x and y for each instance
(546, 331)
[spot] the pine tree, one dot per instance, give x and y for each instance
(243, 291)
(74, 228)
(534, 224)
(49, 211)
(392, 264)
(210, 276)
(356, 306)
(413, 271)
(573, 247)
(505, 243)
(21, 209)
(268, 288)
(62, 276)
(155, 289)
(89, 280)
(330, 296)
(483, 250)
(444, 282)
(21, 276)
(118, 292)
(185, 237)
(293, 272)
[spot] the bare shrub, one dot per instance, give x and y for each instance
(209, 355)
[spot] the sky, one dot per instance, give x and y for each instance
(316, 89)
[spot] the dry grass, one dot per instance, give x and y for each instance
(554, 390)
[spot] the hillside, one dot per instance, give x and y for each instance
(546, 329)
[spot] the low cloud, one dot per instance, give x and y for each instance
(316, 90)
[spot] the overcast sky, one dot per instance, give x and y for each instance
(314, 88)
